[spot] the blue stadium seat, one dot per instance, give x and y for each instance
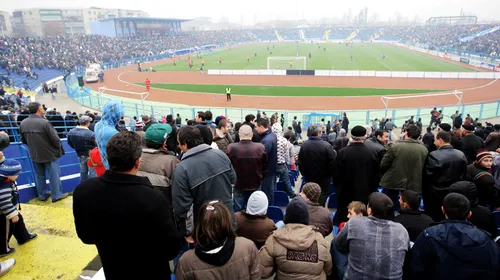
(292, 179)
(281, 198)
(275, 213)
(331, 202)
(332, 188)
(280, 186)
(172, 276)
(497, 218)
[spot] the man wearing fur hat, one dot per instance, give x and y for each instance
(357, 173)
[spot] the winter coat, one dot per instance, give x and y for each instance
(320, 218)
(316, 160)
(470, 144)
(487, 193)
(43, 143)
(238, 259)
(296, 252)
(375, 145)
(402, 166)
(249, 160)
(221, 140)
(254, 227)
(493, 141)
(414, 221)
(106, 127)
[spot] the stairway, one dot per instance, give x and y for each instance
(376, 35)
(278, 36)
(57, 252)
(326, 36)
(353, 35)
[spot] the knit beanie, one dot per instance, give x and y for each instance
(312, 191)
(10, 167)
(483, 154)
(257, 204)
(218, 119)
(358, 131)
(297, 212)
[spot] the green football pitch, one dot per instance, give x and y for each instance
(326, 56)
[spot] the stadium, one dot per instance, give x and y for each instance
(198, 100)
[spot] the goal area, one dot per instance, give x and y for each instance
(286, 62)
(453, 99)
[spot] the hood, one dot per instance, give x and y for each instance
(295, 236)
(217, 254)
(460, 239)
(277, 129)
(112, 112)
(196, 150)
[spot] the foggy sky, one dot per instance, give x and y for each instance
(250, 11)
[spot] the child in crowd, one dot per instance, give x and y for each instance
(9, 200)
(354, 209)
(95, 162)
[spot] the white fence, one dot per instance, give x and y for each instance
(363, 73)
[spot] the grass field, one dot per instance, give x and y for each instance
(287, 91)
(366, 56)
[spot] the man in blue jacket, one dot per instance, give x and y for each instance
(270, 142)
(455, 248)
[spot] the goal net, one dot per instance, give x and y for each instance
(286, 62)
(453, 99)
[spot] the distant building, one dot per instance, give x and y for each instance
(127, 27)
(5, 24)
(42, 22)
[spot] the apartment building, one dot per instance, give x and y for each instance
(5, 24)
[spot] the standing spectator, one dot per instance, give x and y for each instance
(282, 120)
(317, 162)
(357, 173)
(458, 122)
(444, 167)
(455, 248)
(219, 253)
(204, 174)
(428, 139)
(319, 216)
(253, 223)
(342, 141)
(158, 162)
(270, 142)
(204, 127)
(493, 140)
(479, 173)
(287, 248)
(471, 143)
(250, 121)
(345, 123)
(82, 140)
(410, 216)
(389, 126)
(132, 123)
(377, 143)
(178, 120)
(298, 130)
(402, 165)
(146, 121)
(284, 151)
(106, 127)
(108, 209)
(482, 217)
(249, 160)
(221, 135)
(45, 149)
(294, 126)
(377, 246)
(332, 136)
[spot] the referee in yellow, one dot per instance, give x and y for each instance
(228, 94)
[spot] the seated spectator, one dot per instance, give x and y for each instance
(455, 248)
(108, 210)
(253, 223)
(481, 216)
(218, 254)
(319, 216)
(354, 209)
(410, 216)
(296, 251)
(479, 173)
(376, 245)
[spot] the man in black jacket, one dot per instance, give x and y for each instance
(377, 143)
(117, 210)
(444, 167)
(410, 216)
(317, 162)
(250, 120)
(471, 143)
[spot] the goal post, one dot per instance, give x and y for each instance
(104, 90)
(457, 94)
(286, 62)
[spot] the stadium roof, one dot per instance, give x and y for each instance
(150, 19)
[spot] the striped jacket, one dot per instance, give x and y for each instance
(8, 198)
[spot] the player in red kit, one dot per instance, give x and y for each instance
(148, 85)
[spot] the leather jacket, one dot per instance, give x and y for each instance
(444, 167)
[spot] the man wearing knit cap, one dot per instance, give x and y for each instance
(357, 173)
(471, 143)
(319, 217)
(82, 140)
(253, 223)
(297, 249)
(479, 173)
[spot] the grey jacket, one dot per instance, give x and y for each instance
(376, 247)
(376, 146)
(204, 174)
(42, 140)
